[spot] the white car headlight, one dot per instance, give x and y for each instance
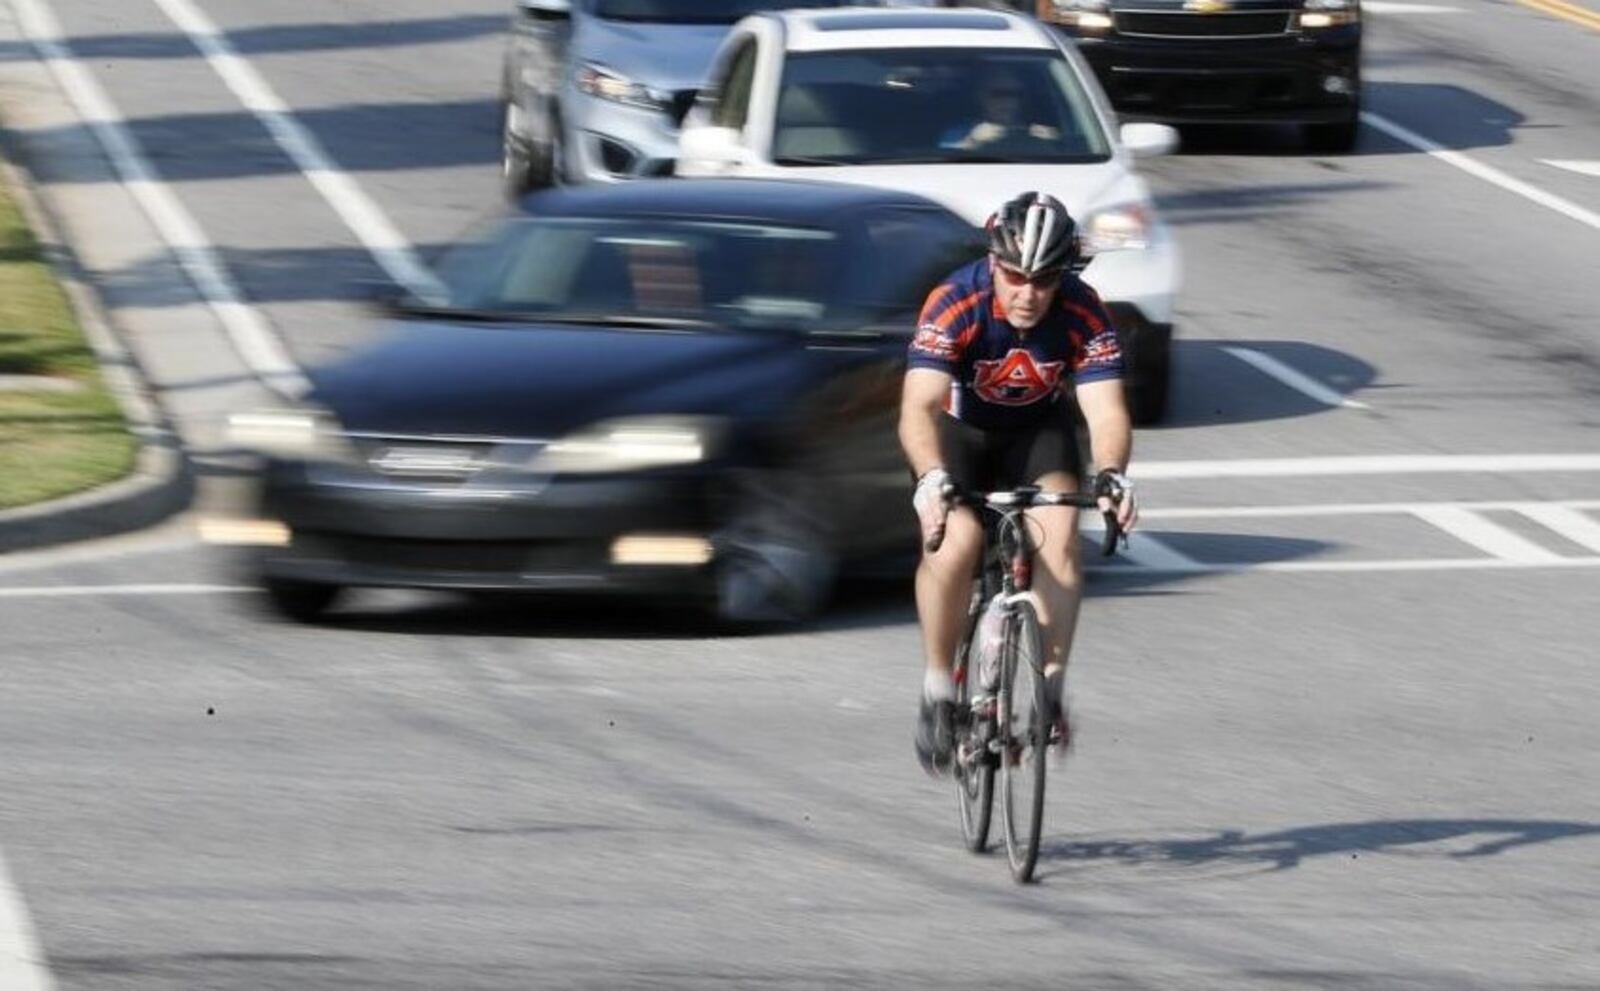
(630, 444)
(1128, 227)
(303, 433)
(602, 83)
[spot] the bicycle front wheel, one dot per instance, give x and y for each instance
(1025, 735)
(974, 764)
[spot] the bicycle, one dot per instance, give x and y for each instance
(990, 734)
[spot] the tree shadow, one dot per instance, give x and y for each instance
(367, 137)
(1246, 204)
(276, 38)
(1289, 848)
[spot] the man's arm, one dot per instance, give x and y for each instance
(1105, 410)
(922, 402)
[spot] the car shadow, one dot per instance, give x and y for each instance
(1455, 117)
(1242, 204)
(1280, 850)
(1212, 385)
(277, 38)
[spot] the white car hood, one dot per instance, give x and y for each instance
(974, 191)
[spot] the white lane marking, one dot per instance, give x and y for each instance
(360, 213)
(1567, 521)
(1359, 509)
(1379, 464)
(1293, 378)
(252, 338)
(1388, 7)
(1582, 168)
(76, 591)
(1488, 174)
(22, 962)
(1489, 537)
(1349, 567)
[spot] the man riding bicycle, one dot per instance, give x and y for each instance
(997, 344)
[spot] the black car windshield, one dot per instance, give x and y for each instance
(644, 272)
(696, 11)
(908, 105)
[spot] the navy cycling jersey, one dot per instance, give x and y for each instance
(1006, 378)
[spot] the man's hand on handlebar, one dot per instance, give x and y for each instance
(1116, 495)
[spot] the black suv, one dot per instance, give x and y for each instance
(1224, 61)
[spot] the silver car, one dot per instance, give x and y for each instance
(593, 90)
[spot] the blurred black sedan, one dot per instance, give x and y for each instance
(683, 389)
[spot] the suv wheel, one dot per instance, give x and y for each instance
(303, 602)
(1336, 138)
(523, 169)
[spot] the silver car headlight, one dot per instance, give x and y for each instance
(603, 83)
(1127, 227)
(300, 433)
(631, 444)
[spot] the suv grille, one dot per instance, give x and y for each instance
(1174, 25)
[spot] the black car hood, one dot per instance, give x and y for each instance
(544, 381)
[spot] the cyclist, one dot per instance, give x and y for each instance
(997, 344)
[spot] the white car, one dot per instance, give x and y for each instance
(966, 107)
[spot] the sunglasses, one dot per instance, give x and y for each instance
(1047, 279)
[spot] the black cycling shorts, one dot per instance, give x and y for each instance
(994, 460)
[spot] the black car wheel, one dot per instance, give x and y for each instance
(1336, 138)
(303, 602)
(772, 566)
(1147, 363)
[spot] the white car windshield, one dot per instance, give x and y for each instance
(908, 105)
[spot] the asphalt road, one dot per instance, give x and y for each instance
(1322, 749)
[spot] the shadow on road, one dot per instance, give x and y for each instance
(277, 38)
(1446, 839)
(1451, 116)
(1213, 386)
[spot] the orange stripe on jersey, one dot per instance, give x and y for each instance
(945, 319)
(937, 302)
(1088, 316)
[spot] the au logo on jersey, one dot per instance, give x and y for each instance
(1016, 379)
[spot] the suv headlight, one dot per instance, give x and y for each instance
(1088, 16)
(1329, 13)
(301, 433)
(1128, 227)
(630, 444)
(598, 81)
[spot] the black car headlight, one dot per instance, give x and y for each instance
(632, 444)
(1086, 16)
(1329, 14)
(297, 433)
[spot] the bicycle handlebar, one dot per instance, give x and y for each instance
(1024, 498)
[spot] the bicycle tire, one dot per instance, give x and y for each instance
(1025, 737)
(974, 765)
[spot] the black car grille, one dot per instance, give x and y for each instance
(1175, 25)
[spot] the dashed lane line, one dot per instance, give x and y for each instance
(80, 591)
(1294, 378)
(1582, 168)
(1366, 464)
(22, 961)
(252, 338)
(359, 211)
(1490, 537)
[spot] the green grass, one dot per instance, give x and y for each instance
(51, 443)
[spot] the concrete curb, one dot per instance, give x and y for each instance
(161, 482)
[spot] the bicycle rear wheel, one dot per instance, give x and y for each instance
(1025, 734)
(974, 764)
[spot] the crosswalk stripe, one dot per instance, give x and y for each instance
(1487, 536)
(1568, 522)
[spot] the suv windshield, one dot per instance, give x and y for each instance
(645, 272)
(696, 11)
(934, 105)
